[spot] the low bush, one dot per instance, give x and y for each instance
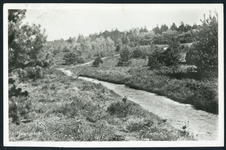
(33, 72)
(137, 53)
(125, 57)
(65, 49)
(80, 60)
(179, 72)
(153, 62)
(122, 110)
(118, 48)
(19, 108)
(72, 58)
(97, 61)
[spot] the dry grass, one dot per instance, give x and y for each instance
(68, 109)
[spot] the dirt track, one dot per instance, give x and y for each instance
(203, 125)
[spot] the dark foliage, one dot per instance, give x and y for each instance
(97, 61)
(137, 53)
(125, 57)
(72, 58)
(204, 53)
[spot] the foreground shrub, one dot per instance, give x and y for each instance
(122, 110)
(19, 108)
(33, 72)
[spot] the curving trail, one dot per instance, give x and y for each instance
(203, 125)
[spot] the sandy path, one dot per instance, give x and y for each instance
(202, 124)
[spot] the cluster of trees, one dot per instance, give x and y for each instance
(83, 48)
(143, 36)
(133, 37)
(203, 53)
(182, 28)
(108, 42)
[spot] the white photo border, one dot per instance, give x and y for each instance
(218, 143)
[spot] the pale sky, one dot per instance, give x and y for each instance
(63, 21)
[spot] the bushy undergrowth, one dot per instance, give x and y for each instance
(67, 109)
(200, 94)
(109, 75)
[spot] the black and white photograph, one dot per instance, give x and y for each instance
(113, 75)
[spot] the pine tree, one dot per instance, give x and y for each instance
(24, 42)
(204, 53)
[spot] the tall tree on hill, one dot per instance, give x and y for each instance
(163, 28)
(110, 45)
(24, 42)
(173, 27)
(156, 30)
(187, 27)
(81, 39)
(181, 28)
(195, 26)
(125, 40)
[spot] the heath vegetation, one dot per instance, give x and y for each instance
(46, 105)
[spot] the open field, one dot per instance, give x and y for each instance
(64, 108)
(202, 94)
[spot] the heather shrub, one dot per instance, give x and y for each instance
(204, 97)
(56, 51)
(33, 72)
(65, 49)
(122, 110)
(19, 108)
